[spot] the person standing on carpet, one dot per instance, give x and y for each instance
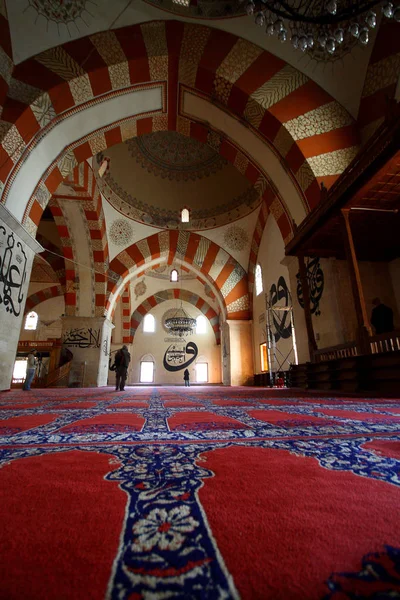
(122, 360)
(30, 370)
(186, 377)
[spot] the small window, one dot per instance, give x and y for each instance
(259, 284)
(149, 324)
(146, 371)
(201, 325)
(264, 357)
(201, 372)
(105, 165)
(185, 215)
(31, 321)
(174, 275)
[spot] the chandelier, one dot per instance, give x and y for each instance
(180, 323)
(324, 29)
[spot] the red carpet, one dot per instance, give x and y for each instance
(205, 493)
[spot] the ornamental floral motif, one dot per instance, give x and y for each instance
(60, 12)
(236, 238)
(163, 529)
(140, 289)
(173, 156)
(121, 232)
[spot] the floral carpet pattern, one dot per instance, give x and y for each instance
(172, 454)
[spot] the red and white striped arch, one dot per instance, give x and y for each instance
(313, 135)
(147, 305)
(70, 256)
(204, 257)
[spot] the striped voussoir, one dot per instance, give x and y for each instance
(83, 179)
(34, 299)
(292, 114)
(198, 253)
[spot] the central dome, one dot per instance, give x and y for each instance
(152, 177)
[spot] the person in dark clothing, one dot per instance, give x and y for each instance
(381, 317)
(122, 360)
(186, 377)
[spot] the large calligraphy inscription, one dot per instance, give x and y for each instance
(281, 319)
(175, 356)
(82, 338)
(315, 279)
(12, 272)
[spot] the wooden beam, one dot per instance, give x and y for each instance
(364, 330)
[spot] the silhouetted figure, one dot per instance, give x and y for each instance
(122, 360)
(381, 317)
(186, 377)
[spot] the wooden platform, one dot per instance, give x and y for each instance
(373, 372)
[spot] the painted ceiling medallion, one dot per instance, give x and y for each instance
(121, 232)
(140, 289)
(236, 238)
(174, 156)
(63, 11)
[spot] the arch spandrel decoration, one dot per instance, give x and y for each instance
(211, 260)
(147, 305)
(280, 104)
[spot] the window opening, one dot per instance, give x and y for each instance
(264, 357)
(149, 324)
(185, 215)
(201, 324)
(174, 275)
(146, 371)
(202, 372)
(19, 373)
(259, 284)
(31, 321)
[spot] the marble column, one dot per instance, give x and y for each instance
(17, 251)
(240, 352)
(88, 338)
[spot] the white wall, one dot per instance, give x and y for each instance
(271, 253)
(156, 345)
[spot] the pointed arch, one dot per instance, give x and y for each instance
(34, 299)
(205, 256)
(292, 115)
(147, 305)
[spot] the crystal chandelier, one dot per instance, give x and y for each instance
(180, 323)
(325, 29)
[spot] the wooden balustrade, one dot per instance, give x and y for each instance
(385, 342)
(334, 352)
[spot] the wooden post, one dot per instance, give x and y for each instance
(363, 327)
(312, 344)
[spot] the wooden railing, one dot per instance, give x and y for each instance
(385, 342)
(334, 352)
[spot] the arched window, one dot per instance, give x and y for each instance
(259, 283)
(149, 324)
(174, 275)
(31, 321)
(185, 215)
(201, 324)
